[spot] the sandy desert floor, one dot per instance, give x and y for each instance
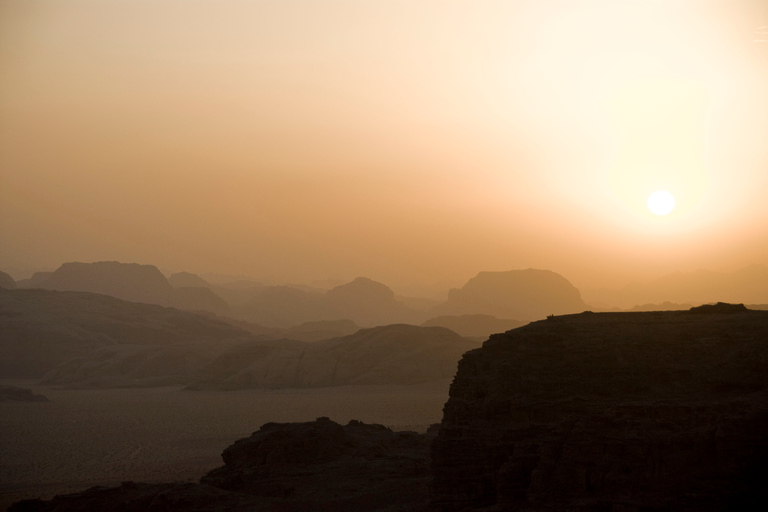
(84, 438)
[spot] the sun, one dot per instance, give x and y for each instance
(661, 202)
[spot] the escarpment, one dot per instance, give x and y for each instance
(610, 411)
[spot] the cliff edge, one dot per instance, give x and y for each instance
(622, 412)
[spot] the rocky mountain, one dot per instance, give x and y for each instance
(285, 467)
(127, 281)
(520, 294)
(42, 329)
(132, 282)
(369, 303)
(392, 354)
(610, 411)
(473, 326)
(6, 281)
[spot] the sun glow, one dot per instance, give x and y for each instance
(661, 202)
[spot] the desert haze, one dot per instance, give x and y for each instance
(386, 255)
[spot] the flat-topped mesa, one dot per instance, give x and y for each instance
(610, 411)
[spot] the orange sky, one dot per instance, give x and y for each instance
(407, 141)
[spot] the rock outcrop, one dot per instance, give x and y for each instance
(524, 295)
(664, 411)
(289, 467)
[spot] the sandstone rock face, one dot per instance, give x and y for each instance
(520, 294)
(664, 411)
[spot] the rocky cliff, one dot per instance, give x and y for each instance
(662, 411)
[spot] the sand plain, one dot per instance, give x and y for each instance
(88, 437)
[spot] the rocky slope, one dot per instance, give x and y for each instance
(287, 467)
(662, 411)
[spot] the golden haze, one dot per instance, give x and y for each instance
(405, 141)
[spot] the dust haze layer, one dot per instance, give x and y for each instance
(410, 143)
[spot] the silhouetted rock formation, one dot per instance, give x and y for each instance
(37, 280)
(392, 354)
(41, 329)
(17, 394)
(521, 294)
(473, 326)
(287, 467)
(187, 279)
(369, 303)
(127, 281)
(322, 465)
(6, 281)
(610, 411)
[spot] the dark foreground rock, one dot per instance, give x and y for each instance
(17, 394)
(630, 412)
(285, 467)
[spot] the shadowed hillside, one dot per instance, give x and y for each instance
(41, 329)
(392, 354)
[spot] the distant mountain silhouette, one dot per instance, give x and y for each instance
(42, 329)
(364, 301)
(392, 354)
(187, 279)
(6, 281)
(284, 306)
(748, 285)
(521, 294)
(473, 326)
(37, 280)
(127, 281)
(370, 303)
(199, 299)
(132, 282)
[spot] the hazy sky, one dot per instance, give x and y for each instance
(407, 141)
